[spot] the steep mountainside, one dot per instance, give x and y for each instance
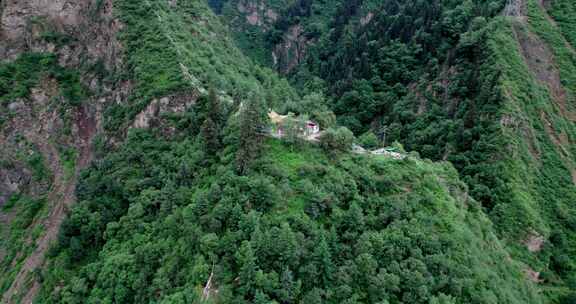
(135, 165)
(52, 94)
(67, 83)
(486, 85)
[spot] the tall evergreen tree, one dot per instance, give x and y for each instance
(215, 110)
(210, 136)
(248, 267)
(211, 129)
(253, 123)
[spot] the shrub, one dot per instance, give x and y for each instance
(335, 141)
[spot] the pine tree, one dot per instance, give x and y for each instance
(247, 262)
(290, 288)
(261, 298)
(213, 123)
(323, 258)
(210, 135)
(252, 129)
(215, 111)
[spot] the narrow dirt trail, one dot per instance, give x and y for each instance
(61, 197)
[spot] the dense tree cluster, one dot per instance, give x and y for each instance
(154, 223)
(220, 213)
(444, 78)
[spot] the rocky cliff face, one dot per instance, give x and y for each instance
(257, 13)
(43, 128)
(291, 51)
(67, 28)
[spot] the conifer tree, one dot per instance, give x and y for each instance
(253, 122)
(247, 262)
(211, 128)
(215, 110)
(210, 136)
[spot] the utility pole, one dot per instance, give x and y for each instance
(382, 134)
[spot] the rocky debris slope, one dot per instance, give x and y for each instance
(83, 37)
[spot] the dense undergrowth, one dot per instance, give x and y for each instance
(563, 12)
(15, 237)
(19, 77)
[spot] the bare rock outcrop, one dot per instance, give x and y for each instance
(292, 50)
(88, 27)
(534, 242)
(257, 13)
(177, 103)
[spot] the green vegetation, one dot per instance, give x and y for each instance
(453, 81)
(563, 12)
(182, 48)
(14, 241)
(68, 157)
(335, 141)
(19, 77)
(36, 162)
(153, 224)
(30, 156)
(49, 32)
(207, 208)
(257, 38)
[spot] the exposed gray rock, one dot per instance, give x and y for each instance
(292, 50)
(169, 104)
(22, 24)
(12, 180)
(16, 105)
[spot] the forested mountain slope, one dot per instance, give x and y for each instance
(73, 80)
(486, 85)
(136, 166)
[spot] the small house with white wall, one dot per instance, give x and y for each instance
(279, 123)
